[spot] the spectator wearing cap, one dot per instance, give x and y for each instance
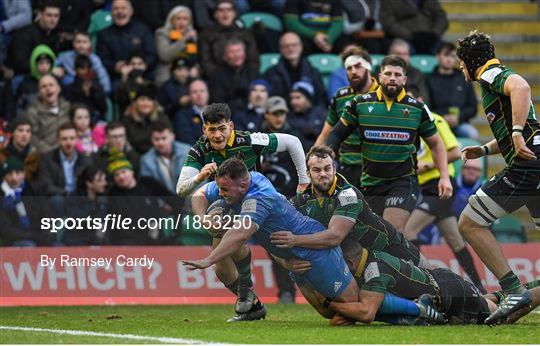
(188, 121)
(25, 39)
(137, 198)
(230, 85)
(19, 147)
(280, 170)
(213, 39)
(253, 115)
(165, 159)
(60, 168)
(458, 103)
(20, 212)
(142, 113)
(134, 75)
(86, 89)
(306, 118)
(125, 36)
(293, 67)
(46, 114)
(177, 38)
(65, 63)
(41, 63)
(174, 93)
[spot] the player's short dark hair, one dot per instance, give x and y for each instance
(233, 168)
(160, 126)
(216, 112)
(113, 125)
(65, 126)
(320, 151)
(355, 50)
(446, 47)
(393, 60)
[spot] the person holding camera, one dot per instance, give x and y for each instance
(134, 75)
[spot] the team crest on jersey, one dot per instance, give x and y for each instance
(406, 112)
(490, 117)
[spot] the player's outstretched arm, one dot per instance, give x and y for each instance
(292, 144)
(338, 228)
(230, 243)
(364, 310)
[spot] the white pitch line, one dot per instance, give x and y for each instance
(166, 340)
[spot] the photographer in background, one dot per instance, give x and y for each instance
(133, 77)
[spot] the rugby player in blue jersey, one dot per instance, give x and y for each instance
(262, 211)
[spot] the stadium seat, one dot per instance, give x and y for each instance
(326, 64)
(99, 20)
(466, 142)
(424, 63)
(267, 60)
(375, 62)
(269, 20)
(509, 229)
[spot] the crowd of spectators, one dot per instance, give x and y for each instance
(101, 122)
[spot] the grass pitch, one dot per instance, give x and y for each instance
(206, 323)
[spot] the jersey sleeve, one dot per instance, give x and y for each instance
(448, 137)
(375, 281)
(348, 205)
(263, 143)
(256, 209)
(195, 158)
(427, 126)
(211, 192)
(333, 117)
(495, 78)
(349, 116)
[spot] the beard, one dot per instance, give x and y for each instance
(391, 93)
(359, 85)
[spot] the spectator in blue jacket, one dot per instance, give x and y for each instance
(252, 117)
(467, 183)
(188, 121)
(291, 68)
(174, 93)
(165, 159)
(65, 63)
(126, 36)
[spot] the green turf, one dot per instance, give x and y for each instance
(284, 324)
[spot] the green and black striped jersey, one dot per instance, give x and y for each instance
(498, 109)
(241, 144)
(344, 200)
(388, 132)
(349, 151)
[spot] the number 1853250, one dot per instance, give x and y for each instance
(225, 222)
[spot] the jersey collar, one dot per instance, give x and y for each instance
(230, 142)
(486, 65)
(389, 103)
(330, 191)
(374, 84)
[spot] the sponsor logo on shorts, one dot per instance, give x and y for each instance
(387, 135)
(394, 201)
